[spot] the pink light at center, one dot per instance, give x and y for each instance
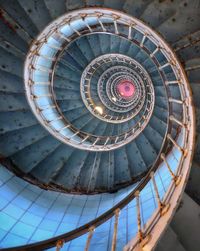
(126, 88)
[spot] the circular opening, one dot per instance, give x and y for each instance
(126, 89)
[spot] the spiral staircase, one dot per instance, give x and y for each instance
(99, 115)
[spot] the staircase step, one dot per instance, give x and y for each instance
(180, 24)
(114, 4)
(91, 126)
(49, 166)
(70, 171)
(67, 105)
(14, 120)
(147, 151)
(68, 73)
(69, 61)
(161, 112)
(11, 83)
(26, 28)
(63, 83)
(55, 8)
(94, 171)
(95, 2)
(153, 137)
(157, 12)
(158, 124)
(75, 4)
(37, 12)
(13, 102)
(94, 41)
(120, 159)
(32, 154)
(85, 48)
(12, 49)
(11, 63)
(135, 159)
(190, 52)
(160, 91)
(160, 103)
(104, 176)
(136, 8)
(12, 142)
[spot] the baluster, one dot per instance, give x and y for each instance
(155, 51)
(176, 178)
(63, 128)
(115, 23)
(143, 240)
(162, 206)
(55, 119)
(68, 21)
(99, 15)
(178, 82)
(172, 118)
(59, 245)
(176, 101)
(114, 240)
(63, 36)
(183, 151)
(163, 66)
(83, 16)
(143, 39)
(95, 141)
(129, 31)
(140, 234)
(90, 234)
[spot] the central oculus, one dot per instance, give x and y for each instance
(126, 89)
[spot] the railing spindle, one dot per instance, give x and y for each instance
(162, 206)
(175, 101)
(90, 234)
(114, 240)
(184, 152)
(176, 178)
(59, 245)
(172, 118)
(140, 234)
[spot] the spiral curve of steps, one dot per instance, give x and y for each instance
(96, 111)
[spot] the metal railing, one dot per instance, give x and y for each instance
(56, 38)
(182, 141)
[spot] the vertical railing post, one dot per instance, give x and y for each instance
(143, 240)
(140, 234)
(177, 101)
(184, 152)
(115, 17)
(162, 206)
(99, 15)
(176, 178)
(90, 234)
(172, 118)
(114, 239)
(59, 245)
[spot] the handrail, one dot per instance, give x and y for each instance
(188, 117)
(87, 141)
(92, 224)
